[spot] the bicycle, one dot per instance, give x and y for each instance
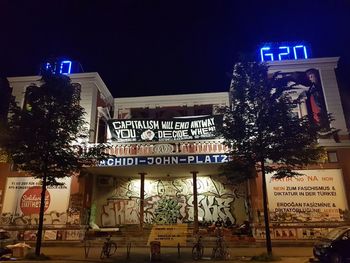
(220, 250)
(109, 248)
(198, 249)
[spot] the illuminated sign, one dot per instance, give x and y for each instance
(165, 130)
(318, 195)
(164, 160)
(61, 66)
(275, 52)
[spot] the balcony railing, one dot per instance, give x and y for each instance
(161, 148)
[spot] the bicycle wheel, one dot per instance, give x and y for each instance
(105, 251)
(112, 248)
(221, 253)
(218, 253)
(197, 252)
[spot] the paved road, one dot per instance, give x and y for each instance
(170, 255)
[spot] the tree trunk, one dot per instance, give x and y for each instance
(41, 217)
(266, 211)
(142, 199)
(249, 202)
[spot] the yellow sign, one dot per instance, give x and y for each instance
(169, 235)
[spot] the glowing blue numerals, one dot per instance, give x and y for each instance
(276, 51)
(266, 56)
(285, 54)
(65, 67)
(48, 66)
(303, 52)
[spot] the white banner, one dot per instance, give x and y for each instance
(318, 195)
(23, 194)
(165, 130)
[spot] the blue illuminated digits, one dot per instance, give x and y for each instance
(49, 67)
(65, 67)
(286, 53)
(299, 47)
(58, 66)
(267, 55)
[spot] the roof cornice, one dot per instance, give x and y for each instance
(303, 64)
(76, 77)
(176, 100)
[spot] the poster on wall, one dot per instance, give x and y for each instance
(22, 201)
(308, 87)
(316, 196)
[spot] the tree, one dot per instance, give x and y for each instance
(5, 98)
(262, 132)
(39, 137)
(5, 101)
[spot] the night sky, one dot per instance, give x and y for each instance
(163, 47)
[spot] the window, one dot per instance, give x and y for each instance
(102, 131)
(332, 157)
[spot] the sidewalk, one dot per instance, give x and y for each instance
(170, 255)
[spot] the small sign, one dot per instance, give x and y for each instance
(31, 199)
(163, 160)
(169, 235)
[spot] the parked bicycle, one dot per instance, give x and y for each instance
(198, 249)
(109, 248)
(220, 250)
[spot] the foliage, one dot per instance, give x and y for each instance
(43, 138)
(5, 99)
(39, 137)
(261, 126)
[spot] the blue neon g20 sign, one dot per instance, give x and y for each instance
(61, 66)
(273, 52)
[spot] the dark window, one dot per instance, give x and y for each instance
(102, 131)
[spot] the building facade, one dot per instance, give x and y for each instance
(165, 169)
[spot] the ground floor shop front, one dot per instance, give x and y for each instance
(161, 202)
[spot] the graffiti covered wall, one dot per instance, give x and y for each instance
(170, 201)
